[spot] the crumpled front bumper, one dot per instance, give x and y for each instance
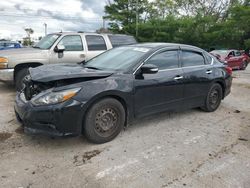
(55, 120)
(7, 75)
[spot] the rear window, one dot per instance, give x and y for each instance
(190, 58)
(119, 40)
(95, 43)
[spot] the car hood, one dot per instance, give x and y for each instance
(221, 57)
(19, 51)
(48, 73)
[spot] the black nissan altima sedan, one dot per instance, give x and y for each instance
(99, 97)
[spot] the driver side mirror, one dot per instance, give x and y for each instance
(149, 69)
(59, 48)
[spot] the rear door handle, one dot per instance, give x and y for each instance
(209, 71)
(178, 78)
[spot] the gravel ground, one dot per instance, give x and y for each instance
(185, 149)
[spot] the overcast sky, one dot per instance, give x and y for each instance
(65, 15)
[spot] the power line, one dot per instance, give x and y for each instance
(72, 18)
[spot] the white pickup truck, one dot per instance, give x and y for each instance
(74, 47)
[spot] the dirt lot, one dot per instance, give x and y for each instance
(185, 149)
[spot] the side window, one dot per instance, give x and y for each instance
(209, 59)
(165, 60)
(10, 45)
(119, 40)
(72, 43)
(231, 53)
(237, 53)
(95, 43)
(192, 59)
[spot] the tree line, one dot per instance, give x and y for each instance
(204, 23)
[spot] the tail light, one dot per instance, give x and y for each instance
(229, 70)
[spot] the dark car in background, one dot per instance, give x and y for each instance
(7, 45)
(98, 98)
(233, 58)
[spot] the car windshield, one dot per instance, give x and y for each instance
(118, 59)
(220, 52)
(47, 41)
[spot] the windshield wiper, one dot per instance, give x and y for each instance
(89, 67)
(36, 47)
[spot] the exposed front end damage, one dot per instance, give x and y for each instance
(59, 119)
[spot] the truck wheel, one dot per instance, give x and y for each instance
(213, 98)
(244, 65)
(19, 78)
(104, 121)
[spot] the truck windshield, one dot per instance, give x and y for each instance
(47, 41)
(118, 59)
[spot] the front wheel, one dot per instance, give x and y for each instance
(244, 65)
(104, 120)
(213, 98)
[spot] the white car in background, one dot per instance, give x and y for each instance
(73, 47)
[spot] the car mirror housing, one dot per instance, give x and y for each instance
(59, 48)
(149, 69)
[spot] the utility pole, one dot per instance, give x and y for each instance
(45, 29)
(137, 19)
(103, 23)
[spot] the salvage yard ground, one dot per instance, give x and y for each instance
(184, 149)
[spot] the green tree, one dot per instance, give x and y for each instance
(122, 14)
(211, 23)
(27, 40)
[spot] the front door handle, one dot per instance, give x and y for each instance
(178, 77)
(82, 56)
(209, 71)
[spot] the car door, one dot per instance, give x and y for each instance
(239, 58)
(96, 45)
(160, 91)
(74, 51)
(198, 74)
(232, 60)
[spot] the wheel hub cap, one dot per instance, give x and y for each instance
(106, 119)
(214, 97)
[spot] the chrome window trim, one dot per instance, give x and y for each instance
(194, 66)
(162, 70)
(212, 62)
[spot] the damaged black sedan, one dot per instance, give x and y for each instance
(99, 97)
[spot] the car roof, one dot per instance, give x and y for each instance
(88, 33)
(226, 50)
(157, 45)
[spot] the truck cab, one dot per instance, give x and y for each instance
(70, 47)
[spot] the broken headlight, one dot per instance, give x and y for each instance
(54, 97)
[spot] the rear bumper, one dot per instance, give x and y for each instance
(56, 120)
(228, 82)
(6, 75)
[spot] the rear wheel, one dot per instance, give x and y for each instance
(104, 120)
(20, 75)
(213, 98)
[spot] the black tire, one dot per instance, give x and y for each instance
(104, 120)
(19, 78)
(244, 65)
(213, 98)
